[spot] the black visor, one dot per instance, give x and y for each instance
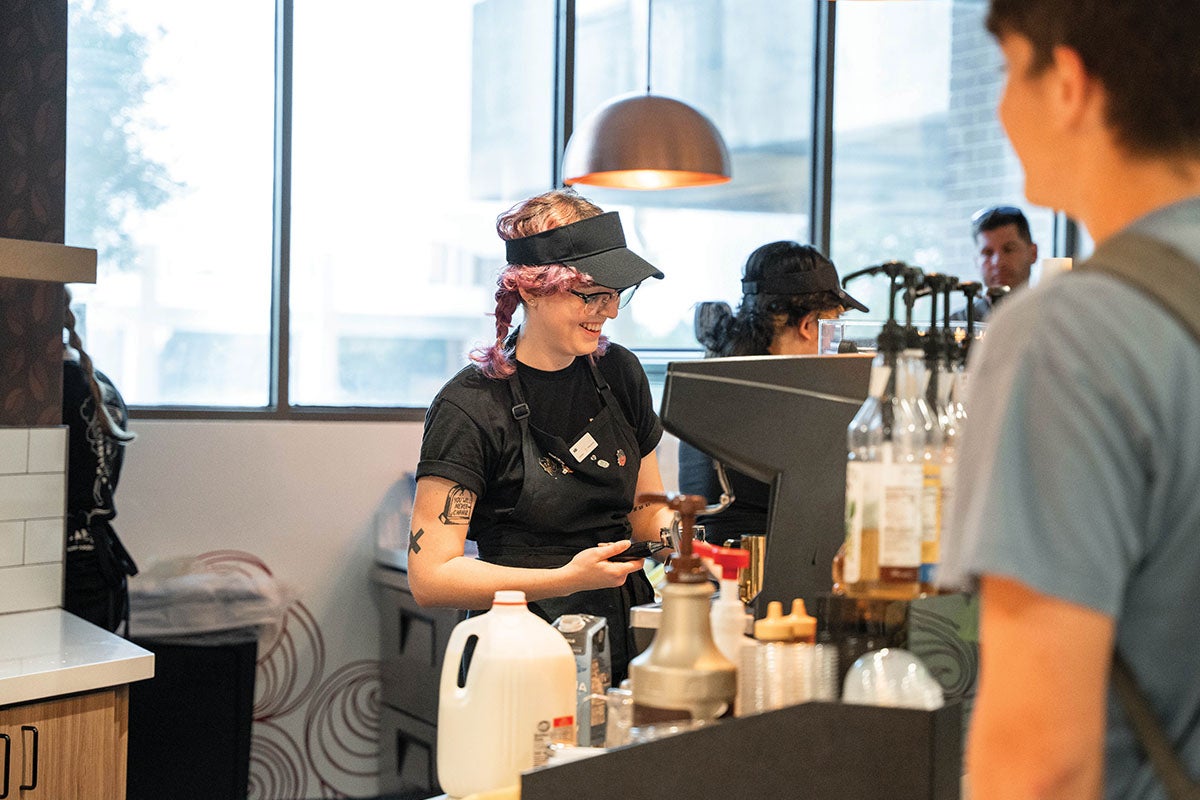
(595, 246)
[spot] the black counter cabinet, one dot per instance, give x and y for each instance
(412, 646)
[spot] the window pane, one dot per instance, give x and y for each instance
(748, 67)
(410, 135)
(169, 175)
(917, 146)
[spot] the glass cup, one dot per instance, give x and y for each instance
(619, 719)
(861, 336)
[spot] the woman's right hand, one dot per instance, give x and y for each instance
(591, 568)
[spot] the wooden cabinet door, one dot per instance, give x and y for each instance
(80, 744)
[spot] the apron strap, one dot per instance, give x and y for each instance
(601, 384)
(520, 408)
(606, 396)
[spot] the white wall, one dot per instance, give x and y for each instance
(297, 499)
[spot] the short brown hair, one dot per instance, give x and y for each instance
(1145, 52)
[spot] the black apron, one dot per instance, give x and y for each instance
(574, 496)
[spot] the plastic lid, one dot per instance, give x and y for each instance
(570, 623)
(774, 627)
(803, 626)
(729, 559)
(509, 597)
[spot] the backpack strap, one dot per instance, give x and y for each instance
(1171, 279)
(1167, 766)
(1156, 269)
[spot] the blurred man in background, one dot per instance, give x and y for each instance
(1005, 252)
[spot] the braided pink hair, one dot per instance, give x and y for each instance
(541, 213)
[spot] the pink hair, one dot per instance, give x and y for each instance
(537, 214)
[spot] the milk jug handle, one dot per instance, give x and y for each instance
(454, 652)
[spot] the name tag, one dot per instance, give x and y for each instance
(583, 447)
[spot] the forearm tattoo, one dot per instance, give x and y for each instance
(413, 536)
(460, 502)
(636, 509)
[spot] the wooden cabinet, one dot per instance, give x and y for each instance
(78, 743)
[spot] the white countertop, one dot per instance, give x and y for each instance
(49, 653)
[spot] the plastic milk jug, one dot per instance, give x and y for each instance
(516, 698)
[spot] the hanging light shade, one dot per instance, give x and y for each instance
(644, 141)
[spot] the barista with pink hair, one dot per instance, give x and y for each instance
(537, 450)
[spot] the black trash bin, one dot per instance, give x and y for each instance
(189, 726)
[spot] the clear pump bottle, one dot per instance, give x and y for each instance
(884, 471)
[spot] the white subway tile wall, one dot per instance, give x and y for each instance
(47, 449)
(33, 485)
(14, 450)
(12, 543)
(44, 540)
(32, 587)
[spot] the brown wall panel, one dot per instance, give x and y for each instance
(33, 147)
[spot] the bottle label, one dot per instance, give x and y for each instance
(862, 514)
(932, 503)
(560, 730)
(900, 523)
(949, 477)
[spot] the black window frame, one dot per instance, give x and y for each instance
(280, 408)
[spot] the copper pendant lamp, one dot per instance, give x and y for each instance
(646, 141)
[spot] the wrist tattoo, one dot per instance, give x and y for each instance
(413, 536)
(460, 502)
(636, 509)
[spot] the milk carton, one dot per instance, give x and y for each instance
(588, 637)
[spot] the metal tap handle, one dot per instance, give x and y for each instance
(686, 566)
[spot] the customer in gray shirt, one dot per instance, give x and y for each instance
(1078, 511)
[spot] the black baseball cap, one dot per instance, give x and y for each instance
(595, 246)
(790, 268)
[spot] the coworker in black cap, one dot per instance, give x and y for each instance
(787, 288)
(537, 450)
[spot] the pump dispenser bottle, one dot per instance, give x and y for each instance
(683, 676)
(884, 473)
(728, 615)
(940, 359)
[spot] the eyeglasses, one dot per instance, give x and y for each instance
(602, 300)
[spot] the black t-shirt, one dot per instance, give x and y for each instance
(471, 437)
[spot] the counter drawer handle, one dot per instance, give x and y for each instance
(35, 754)
(7, 754)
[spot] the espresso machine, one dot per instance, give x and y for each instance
(781, 420)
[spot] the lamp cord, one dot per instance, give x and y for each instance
(649, 28)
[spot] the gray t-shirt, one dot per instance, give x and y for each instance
(1080, 477)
